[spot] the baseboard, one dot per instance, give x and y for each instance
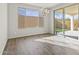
(29, 35)
(4, 46)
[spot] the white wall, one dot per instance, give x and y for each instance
(51, 23)
(13, 30)
(3, 26)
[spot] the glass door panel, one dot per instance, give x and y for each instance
(59, 21)
(71, 20)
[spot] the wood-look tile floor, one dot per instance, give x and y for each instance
(30, 46)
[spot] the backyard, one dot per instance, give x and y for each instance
(66, 24)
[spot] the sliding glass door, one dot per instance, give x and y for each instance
(67, 20)
(59, 21)
(71, 20)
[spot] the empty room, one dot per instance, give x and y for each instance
(39, 29)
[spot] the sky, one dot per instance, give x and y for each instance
(28, 12)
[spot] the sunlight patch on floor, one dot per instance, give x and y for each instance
(61, 41)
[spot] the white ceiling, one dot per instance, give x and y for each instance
(44, 5)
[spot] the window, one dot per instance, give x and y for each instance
(28, 12)
(29, 18)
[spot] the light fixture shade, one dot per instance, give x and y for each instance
(45, 11)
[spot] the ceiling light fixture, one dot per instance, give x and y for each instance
(45, 11)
